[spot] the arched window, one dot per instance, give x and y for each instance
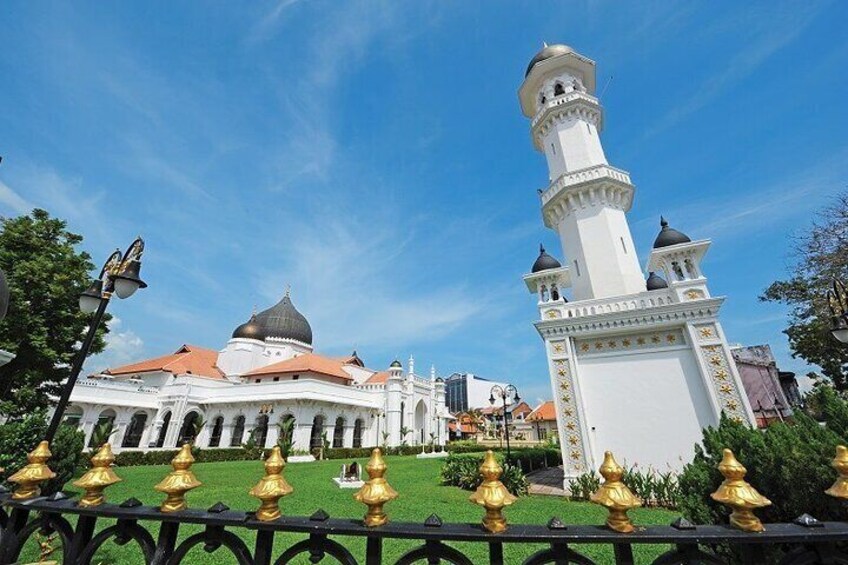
(105, 425)
(542, 98)
(166, 421)
(260, 433)
(338, 432)
(189, 429)
(217, 430)
(287, 424)
(554, 292)
(678, 272)
(559, 89)
(316, 440)
(690, 268)
(544, 293)
(238, 432)
(357, 433)
(132, 437)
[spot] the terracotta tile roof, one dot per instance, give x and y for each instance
(309, 362)
(543, 412)
(188, 359)
(378, 378)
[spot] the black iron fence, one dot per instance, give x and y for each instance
(86, 525)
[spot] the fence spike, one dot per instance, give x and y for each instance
(614, 495)
(376, 491)
(740, 496)
(178, 482)
(492, 494)
(30, 477)
(272, 487)
(96, 479)
(839, 489)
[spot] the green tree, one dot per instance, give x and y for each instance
(44, 326)
(820, 255)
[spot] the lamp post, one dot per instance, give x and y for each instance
(504, 394)
(837, 301)
(119, 275)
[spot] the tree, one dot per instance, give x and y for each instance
(821, 255)
(44, 326)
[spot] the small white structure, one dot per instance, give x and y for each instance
(350, 476)
(266, 374)
(637, 367)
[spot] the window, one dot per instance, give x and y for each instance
(316, 440)
(160, 441)
(357, 433)
(338, 433)
(295, 377)
(189, 429)
(217, 429)
(276, 379)
(256, 381)
(260, 432)
(559, 90)
(577, 267)
(553, 149)
(238, 432)
(132, 437)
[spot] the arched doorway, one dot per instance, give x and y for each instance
(166, 421)
(132, 437)
(420, 419)
(103, 429)
(260, 432)
(338, 433)
(316, 440)
(217, 430)
(238, 432)
(357, 433)
(189, 429)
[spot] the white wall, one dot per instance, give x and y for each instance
(647, 408)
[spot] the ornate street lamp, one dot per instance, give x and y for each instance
(120, 275)
(504, 393)
(837, 300)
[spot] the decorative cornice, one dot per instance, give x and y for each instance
(669, 314)
(572, 105)
(600, 185)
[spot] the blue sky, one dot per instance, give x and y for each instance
(373, 155)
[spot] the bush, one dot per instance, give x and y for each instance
(20, 437)
(655, 489)
(463, 471)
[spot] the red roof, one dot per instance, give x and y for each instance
(188, 360)
(306, 363)
(377, 378)
(545, 411)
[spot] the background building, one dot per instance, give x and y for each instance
(466, 391)
(764, 383)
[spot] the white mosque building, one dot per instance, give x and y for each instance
(638, 365)
(266, 373)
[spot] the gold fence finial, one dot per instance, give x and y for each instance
(178, 482)
(740, 496)
(839, 489)
(376, 491)
(615, 496)
(96, 479)
(36, 471)
(272, 487)
(492, 494)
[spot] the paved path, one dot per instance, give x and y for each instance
(547, 481)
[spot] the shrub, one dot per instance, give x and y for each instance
(654, 488)
(463, 471)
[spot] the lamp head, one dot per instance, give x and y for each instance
(129, 280)
(89, 300)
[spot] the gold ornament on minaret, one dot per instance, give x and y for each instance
(615, 496)
(178, 482)
(492, 494)
(96, 479)
(376, 491)
(272, 487)
(29, 478)
(839, 489)
(740, 496)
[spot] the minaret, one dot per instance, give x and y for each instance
(394, 391)
(586, 199)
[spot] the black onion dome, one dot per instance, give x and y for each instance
(669, 236)
(395, 364)
(440, 380)
(251, 329)
(544, 261)
(548, 52)
(284, 321)
(655, 282)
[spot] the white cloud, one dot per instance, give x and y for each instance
(123, 346)
(14, 201)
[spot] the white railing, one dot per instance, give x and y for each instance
(642, 301)
(591, 173)
(559, 101)
(116, 385)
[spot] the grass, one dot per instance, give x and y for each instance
(416, 480)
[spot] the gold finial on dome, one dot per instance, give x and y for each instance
(36, 471)
(615, 496)
(272, 487)
(740, 496)
(178, 482)
(492, 494)
(96, 479)
(839, 489)
(376, 491)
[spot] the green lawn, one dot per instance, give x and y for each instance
(415, 480)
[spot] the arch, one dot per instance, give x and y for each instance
(189, 431)
(135, 429)
(238, 431)
(554, 292)
(559, 89)
(260, 432)
(543, 293)
(338, 433)
(357, 433)
(217, 430)
(106, 417)
(73, 416)
(166, 422)
(316, 440)
(420, 419)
